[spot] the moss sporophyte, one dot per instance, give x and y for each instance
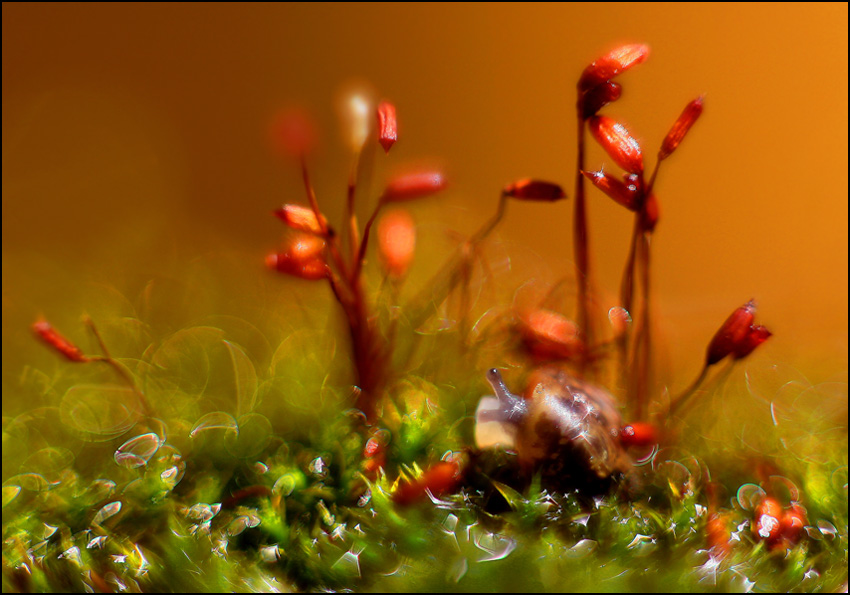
(406, 478)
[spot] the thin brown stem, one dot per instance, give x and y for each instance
(580, 240)
(361, 252)
(678, 402)
(437, 290)
(119, 369)
(350, 213)
(327, 231)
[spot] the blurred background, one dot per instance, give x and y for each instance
(135, 143)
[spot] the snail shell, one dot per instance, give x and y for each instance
(563, 426)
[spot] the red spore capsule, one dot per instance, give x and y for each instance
(301, 218)
(534, 190)
(612, 64)
(767, 523)
(416, 185)
(387, 125)
(396, 242)
(549, 336)
(59, 343)
(617, 142)
(303, 258)
(732, 334)
(293, 133)
(623, 193)
(755, 337)
(639, 434)
(680, 128)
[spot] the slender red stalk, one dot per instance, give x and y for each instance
(580, 241)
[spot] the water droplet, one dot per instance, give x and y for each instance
(49, 462)
(284, 485)
(30, 481)
(106, 512)
(10, 492)
(72, 555)
(583, 548)
(749, 495)
(318, 468)
(255, 432)
(137, 451)
(98, 412)
(217, 420)
(270, 554)
(237, 526)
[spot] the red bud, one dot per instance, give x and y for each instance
(732, 334)
(413, 186)
(387, 125)
(611, 65)
(301, 218)
(598, 97)
(625, 194)
(639, 434)
(617, 142)
(303, 258)
(548, 335)
(755, 337)
(534, 190)
(680, 128)
(59, 343)
(396, 242)
(293, 133)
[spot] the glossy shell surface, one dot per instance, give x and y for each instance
(571, 428)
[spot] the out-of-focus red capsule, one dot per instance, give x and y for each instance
(680, 127)
(718, 534)
(549, 336)
(755, 337)
(623, 193)
(293, 133)
(767, 523)
(441, 478)
(612, 64)
(60, 344)
(793, 522)
(598, 97)
(303, 258)
(534, 190)
(649, 214)
(617, 142)
(373, 446)
(411, 186)
(301, 218)
(396, 242)
(731, 334)
(639, 434)
(387, 125)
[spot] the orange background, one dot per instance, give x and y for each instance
(134, 139)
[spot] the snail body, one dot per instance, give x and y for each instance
(564, 427)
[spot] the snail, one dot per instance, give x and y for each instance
(563, 427)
